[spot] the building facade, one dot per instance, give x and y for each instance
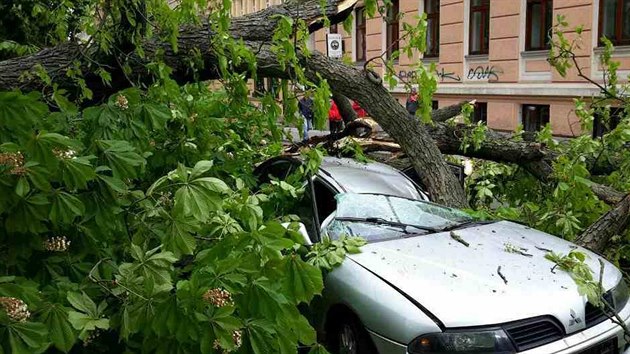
(494, 51)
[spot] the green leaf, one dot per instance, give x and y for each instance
(302, 281)
(121, 157)
(18, 114)
(200, 168)
(22, 188)
(27, 337)
(84, 303)
(154, 116)
(65, 208)
(211, 184)
(77, 172)
(200, 197)
(56, 319)
(179, 236)
(85, 323)
(260, 334)
(114, 184)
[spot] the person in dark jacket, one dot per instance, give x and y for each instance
(305, 106)
(412, 102)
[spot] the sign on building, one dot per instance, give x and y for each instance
(334, 45)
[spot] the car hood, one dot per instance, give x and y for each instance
(461, 286)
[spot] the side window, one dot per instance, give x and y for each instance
(304, 210)
(326, 204)
(279, 169)
(325, 199)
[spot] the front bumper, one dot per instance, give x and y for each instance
(585, 339)
(572, 344)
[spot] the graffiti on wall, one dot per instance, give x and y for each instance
(442, 74)
(480, 72)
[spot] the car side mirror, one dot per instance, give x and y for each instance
(302, 231)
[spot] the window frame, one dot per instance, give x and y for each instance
(618, 40)
(546, 5)
(433, 20)
(540, 122)
(361, 31)
(484, 9)
(392, 29)
(479, 113)
(615, 115)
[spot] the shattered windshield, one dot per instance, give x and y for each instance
(379, 217)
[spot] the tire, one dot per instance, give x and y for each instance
(348, 336)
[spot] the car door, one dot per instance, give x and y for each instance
(280, 168)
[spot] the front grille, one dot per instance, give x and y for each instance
(607, 347)
(534, 332)
(595, 315)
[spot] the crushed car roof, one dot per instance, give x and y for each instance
(373, 177)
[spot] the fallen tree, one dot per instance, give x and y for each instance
(255, 31)
(422, 144)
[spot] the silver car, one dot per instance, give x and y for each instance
(432, 280)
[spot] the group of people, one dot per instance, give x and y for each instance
(335, 120)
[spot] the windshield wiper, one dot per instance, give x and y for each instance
(466, 224)
(381, 221)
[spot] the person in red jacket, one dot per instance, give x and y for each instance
(334, 118)
(359, 111)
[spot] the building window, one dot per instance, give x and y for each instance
(479, 26)
(535, 116)
(361, 41)
(432, 9)
(614, 21)
(435, 105)
(480, 114)
(600, 127)
(392, 30)
(539, 20)
(259, 87)
(273, 86)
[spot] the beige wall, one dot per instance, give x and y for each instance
(521, 77)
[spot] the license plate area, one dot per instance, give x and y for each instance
(607, 347)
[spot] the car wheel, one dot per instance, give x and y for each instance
(348, 336)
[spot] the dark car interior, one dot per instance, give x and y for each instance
(325, 202)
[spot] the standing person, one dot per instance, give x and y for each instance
(334, 118)
(305, 106)
(412, 102)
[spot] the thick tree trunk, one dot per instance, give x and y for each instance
(355, 84)
(614, 222)
(345, 107)
(445, 113)
(259, 26)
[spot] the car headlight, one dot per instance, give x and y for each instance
(488, 341)
(620, 295)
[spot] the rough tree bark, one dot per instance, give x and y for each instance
(345, 107)
(612, 223)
